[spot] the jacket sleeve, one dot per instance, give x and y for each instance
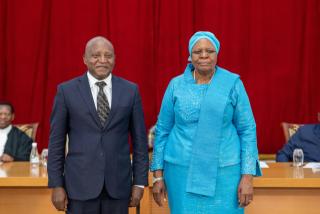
(18, 145)
(140, 158)
(285, 154)
(24, 149)
(57, 140)
(163, 128)
(246, 129)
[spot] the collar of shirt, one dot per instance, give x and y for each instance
(6, 130)
(93, 80)
(4, 137)
(95, 89)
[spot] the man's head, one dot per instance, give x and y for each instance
(99, 57)
(6, 114)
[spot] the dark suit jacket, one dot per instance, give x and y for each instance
(18, 145)
(97, 155)
(306, 138)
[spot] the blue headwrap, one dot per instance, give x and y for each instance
(204, 35)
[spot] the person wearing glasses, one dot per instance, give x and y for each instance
(205, 149)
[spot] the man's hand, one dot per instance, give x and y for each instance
(245, 190)
(159, 192)
(6, 158)
(59, 198)
(136, 195)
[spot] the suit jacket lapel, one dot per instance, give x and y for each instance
(116, 91)
(87, 97)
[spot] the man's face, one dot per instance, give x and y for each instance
(6, 117)
(100, 59)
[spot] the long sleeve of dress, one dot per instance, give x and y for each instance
(246, 128)
(163, 128)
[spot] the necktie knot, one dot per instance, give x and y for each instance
(101, 84)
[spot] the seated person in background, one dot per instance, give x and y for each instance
(306, 138)
(15, 145)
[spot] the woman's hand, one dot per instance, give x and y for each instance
(245, 190)
(159, 188)
(159, 192)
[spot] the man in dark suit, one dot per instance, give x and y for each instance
(97, 111)
(15, 145)
(306, 138)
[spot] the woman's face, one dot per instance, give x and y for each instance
(204, 56)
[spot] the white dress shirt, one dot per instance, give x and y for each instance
(95, 89)
(4, 137)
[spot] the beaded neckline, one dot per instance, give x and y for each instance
(194, 76)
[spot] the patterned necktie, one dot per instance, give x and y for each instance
(103, 107)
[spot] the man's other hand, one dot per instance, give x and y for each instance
(136, 195)
(6, 158)
(59, 198)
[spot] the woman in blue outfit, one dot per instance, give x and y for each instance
(205, 150)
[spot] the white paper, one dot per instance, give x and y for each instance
(312, 165)
(316, 170)
(263, 164)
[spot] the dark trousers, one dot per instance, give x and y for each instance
(103, 204)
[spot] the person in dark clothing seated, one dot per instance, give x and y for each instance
(306, 138)
(15, 145)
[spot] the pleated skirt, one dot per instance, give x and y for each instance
(225, 200)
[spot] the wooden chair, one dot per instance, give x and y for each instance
(267, 157)
(290, 129)
(29, 128)
(151, 134)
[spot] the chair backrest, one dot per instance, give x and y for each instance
(151, 134)
(290, 129)
(29, 128)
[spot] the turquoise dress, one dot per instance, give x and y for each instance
(175, 133)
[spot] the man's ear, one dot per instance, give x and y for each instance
(12, 117)
(84, 59)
